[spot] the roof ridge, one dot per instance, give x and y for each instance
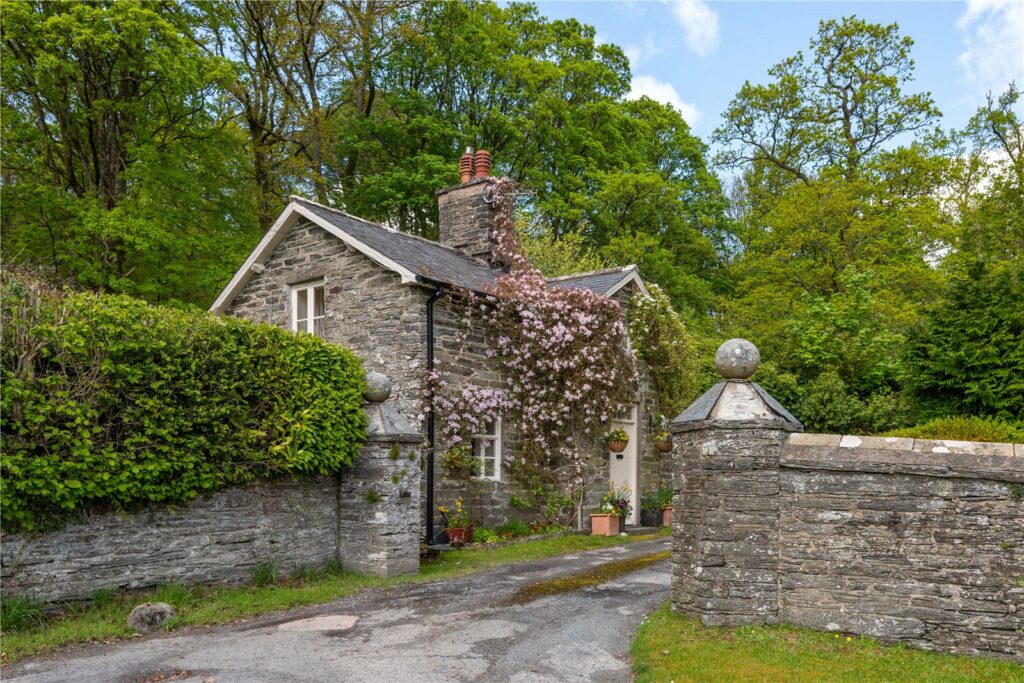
(602, 271)
(433, 243)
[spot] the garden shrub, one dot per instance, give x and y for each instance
(113, 404)
(964, 428)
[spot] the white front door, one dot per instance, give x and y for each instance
(624, 465)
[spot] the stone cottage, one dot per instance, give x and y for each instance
(380, 293)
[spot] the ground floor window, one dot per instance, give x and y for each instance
(487, 450)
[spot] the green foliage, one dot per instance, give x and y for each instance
(302, 572)
(658, 497)
(121, 169)
(964, 428)
(372, 496)
(460, 464)
(19, 612)
(103, 597)
(110, 403)
(967, 356)
(847, 334)
(559, 255)
(265, 573)
(176, 595)
(661, 340)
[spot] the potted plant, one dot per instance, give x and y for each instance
(617, 440)
(658, 499)
(663, 442)
(610, 518)
(457, 523)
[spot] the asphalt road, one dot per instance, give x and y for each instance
(465, 629)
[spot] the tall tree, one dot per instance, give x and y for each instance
(118, 167)
(838, 170)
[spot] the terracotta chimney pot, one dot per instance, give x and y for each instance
(483, 163)
(466, 166)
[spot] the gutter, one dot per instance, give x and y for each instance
(439, 289)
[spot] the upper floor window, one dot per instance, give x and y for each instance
(308, 308)
(487, 449)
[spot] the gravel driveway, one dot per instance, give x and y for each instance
(464, 629)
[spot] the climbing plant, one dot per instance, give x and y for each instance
(566, 366)
(665, 345)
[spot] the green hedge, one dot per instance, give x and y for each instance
(964, 428)
(111, 403)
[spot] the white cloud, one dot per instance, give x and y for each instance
(638, 54)
(993, 52)
(660, 91)
(700, 24)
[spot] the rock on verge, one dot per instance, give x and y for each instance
(148, 616)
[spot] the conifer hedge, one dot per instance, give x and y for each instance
(110, 403)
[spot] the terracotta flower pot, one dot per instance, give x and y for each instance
(617, 446)
(460, 536)
(604, 524)
(666, 517)
(663, 446)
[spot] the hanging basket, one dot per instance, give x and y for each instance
(617, 446)
(663, 446)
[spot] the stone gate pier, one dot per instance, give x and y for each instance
(912, 540)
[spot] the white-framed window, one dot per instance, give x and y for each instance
(487, 450)
(308, 307)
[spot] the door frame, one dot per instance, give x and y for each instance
(630, 423)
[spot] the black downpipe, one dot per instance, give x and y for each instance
(434, 296)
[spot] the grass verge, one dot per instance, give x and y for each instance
(105, 621)
(675, 647)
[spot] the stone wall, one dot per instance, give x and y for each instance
(903, 540)
(220, 537)
(918, 541)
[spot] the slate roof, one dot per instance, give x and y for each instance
(599, 281)
(423, 257)
(439, 263)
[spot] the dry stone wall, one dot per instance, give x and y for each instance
(221, 537)
(917, 541)
(913, 541)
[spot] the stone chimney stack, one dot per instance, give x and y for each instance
(466, 210)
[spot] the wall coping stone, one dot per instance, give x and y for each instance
(784, 425)
(958, 459)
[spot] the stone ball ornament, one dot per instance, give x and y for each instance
(378, 387)
(737, 359)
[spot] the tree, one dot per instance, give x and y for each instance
(118, 168)
(839, 169)
(967, 356)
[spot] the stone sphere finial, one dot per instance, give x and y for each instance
(378, 387)
(737, 359)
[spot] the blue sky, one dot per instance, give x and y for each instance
(697, 54)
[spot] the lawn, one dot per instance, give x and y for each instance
(105, 620)
(677, 648)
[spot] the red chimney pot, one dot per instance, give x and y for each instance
(483, 163)
(466, 166)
